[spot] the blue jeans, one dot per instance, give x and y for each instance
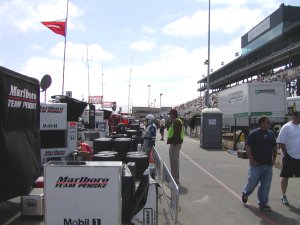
(259, 174)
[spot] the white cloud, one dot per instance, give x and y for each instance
(79, 52)
(142, 45)
(27, 15)
(36, 47)
(187, 26)
(148, 30)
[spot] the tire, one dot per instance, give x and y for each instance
(104, 157)
(131, 133)
(122, 144)
(102, 144)
(141, 161)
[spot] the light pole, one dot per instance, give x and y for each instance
(149, 95)
(154, 102)
(208, 57)
(160, 100)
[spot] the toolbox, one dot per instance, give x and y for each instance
(33, 204)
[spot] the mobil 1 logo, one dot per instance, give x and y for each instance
(79, 221)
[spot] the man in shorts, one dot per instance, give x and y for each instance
(289, 142)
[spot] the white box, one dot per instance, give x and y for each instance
(33, 203)
(86, 193)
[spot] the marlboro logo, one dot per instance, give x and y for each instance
(81, 182)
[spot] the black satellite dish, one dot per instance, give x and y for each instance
(45, 82)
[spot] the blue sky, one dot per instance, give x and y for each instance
(167, 41)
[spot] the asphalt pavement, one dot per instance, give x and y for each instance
(211, 182)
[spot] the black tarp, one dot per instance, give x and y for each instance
(74, 107)
(19, 133)
(107, 113)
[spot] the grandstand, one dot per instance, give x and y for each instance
(270, 52)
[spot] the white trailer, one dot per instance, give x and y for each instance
(241, 105)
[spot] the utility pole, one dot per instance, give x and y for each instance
(149, 95)
(102, 82)
(160, 100)
(208, 58)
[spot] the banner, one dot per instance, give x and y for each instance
(19, 133)
(58, 27)
(111, 105)
(95, 99)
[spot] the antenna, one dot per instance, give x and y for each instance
(129, 85)
(88, 68)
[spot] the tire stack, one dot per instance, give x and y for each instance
(136, 127)
(122, 146)
(133, 134)
(102, 144)
(103, 150)
(141, 160)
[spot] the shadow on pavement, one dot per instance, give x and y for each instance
(182, 190)
(271, 217)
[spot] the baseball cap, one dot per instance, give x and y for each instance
(175, 113)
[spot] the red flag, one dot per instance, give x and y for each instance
(58, 27)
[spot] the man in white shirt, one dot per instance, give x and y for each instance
(289, 142)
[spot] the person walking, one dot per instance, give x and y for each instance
(162, 125)
(261, 151)
(175, 139)
(289, 141)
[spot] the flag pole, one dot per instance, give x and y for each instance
(64, 63)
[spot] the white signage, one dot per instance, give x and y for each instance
(212, 122)
(53, 116)
(87, 193)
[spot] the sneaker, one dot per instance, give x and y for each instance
(284, 200)
(244, 198)
(264, 207)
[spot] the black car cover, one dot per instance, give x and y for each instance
(19, 133)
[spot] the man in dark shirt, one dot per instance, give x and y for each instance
(175, 139)
(261, 151)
